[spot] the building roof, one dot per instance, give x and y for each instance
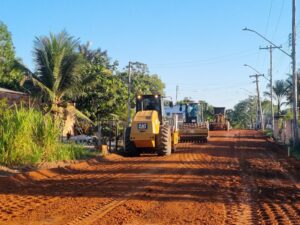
(4, 90)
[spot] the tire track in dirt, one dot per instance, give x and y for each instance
(235, 211)
(266, 209)
(185, 163)
(258, 212)
(243, 195)
(243, 199)
(14, 205)
(239, 206)
(235, 198)
(240, 172)
(96, 213)
(233, 195)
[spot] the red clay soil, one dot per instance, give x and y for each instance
(238, 177)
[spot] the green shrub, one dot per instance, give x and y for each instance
(70, 151)
(28, 137)
(268, 133)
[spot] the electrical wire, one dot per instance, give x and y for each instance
(269, 16)
(208, 61)
(188, 86)
(279, 18)
(262, 62)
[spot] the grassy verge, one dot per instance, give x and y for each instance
(28, 137)
(268, 133)
(73, 151)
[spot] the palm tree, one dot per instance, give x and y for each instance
(289, 84)
(58, 69)
(280, 91)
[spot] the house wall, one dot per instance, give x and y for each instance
(15, 98)
(283, 131)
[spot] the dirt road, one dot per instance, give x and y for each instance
(236, 178)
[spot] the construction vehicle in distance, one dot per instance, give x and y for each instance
(219, 120)
(193, 128)
(150, 130)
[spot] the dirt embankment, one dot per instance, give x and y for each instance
(236, 178)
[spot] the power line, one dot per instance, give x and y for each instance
(212, 86)
(267, 28)
(279, 17)
(268, 21)
(212, 60)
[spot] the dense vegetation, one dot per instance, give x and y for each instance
(65, 71)
(10, 67)
(243, 115)
(28, 137)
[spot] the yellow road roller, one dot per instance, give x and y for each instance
(151, 131)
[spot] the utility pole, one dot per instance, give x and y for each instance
(295, 78)
(129, 90)
(202, 112)
(293, 55)
(177, 90)
(260, 116)
(270, 48)
(257, 107)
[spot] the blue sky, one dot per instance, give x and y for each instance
(198, 45)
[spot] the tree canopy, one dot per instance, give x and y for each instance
(280, 92)
(244, 113)
(289, 86)
(142, 82)
(58, 68)
(66, 70)
(10, 67)
(106, 97)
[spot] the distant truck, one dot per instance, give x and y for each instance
(219, 120)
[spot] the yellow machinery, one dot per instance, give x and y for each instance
(150, 131)
(193, 128)
(219, 122)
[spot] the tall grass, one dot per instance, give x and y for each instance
(28, 137)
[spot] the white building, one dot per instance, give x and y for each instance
(170, 111)
(179, 110)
